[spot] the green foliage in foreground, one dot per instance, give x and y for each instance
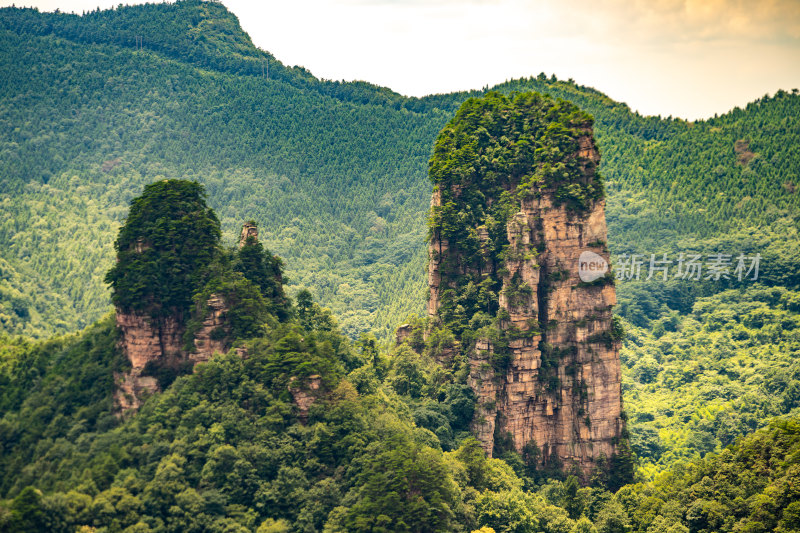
(226, 449)
(170, 265)
(752, 486)
(337, 174)
(223, 449)
(53, 390)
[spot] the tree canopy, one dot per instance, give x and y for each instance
(164, 249)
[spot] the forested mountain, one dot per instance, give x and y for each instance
(335, 173)
(694, 383)
(299, 429)
(93, 108)
(341, 199)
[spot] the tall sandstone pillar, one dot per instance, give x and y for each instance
(549, 372)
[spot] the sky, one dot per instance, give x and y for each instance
(684, 58)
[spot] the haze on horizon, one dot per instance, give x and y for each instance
(685, 58)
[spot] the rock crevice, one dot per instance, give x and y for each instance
(558, 383)
(158, 342)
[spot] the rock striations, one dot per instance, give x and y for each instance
(145, 341)
(514, 208)
(154, 346)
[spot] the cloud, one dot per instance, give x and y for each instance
(703, 20)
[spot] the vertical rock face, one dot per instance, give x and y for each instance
(145, 342)
(546, 371)
(437, 248)
(167, 340)
(402, 334)
(249, 229)
(164, 249)
(149, 344)
(214, 335)
(570, 403)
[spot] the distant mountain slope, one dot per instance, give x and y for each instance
(334, 172)
(697, 382)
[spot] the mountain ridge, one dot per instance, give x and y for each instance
(301, 155)
(338, 184)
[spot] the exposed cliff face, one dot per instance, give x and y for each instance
(151, 344)
(145, 341)
(437, 249)
(168, 337)
(572, 408)
(249, 230)
(214, 335)
(158, 343)
(547, 370)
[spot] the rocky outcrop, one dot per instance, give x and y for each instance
(488, 388)
(571, 408)
(249, 230)
(145, 341)
(150, 344)
(214, 335)
(304, 395)
(402, 334)
(558, 386)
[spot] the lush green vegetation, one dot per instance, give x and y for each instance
(54, 389)
(751, 486)
(152, 275)
(343, 203)
(335, 173)
(225, 449)
(266, 272)
(229, 447)
(384, 446)
(695, 383)
(494, 153)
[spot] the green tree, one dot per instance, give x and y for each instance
(572, 500)
(613, 519)
(305, 309)
(407, 488)
(26, 512)
(266, 271)
(164, 249)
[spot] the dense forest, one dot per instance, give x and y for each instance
(95, 108)
(383, 446)
(335, 171)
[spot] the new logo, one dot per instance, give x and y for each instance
(591, 266)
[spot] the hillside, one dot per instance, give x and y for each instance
(222, 451)
(335, 173)
(298, 429)
(695, 383)
(305, 424)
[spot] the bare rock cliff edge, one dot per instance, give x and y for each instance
(556, 389)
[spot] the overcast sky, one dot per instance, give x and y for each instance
(686, 58)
